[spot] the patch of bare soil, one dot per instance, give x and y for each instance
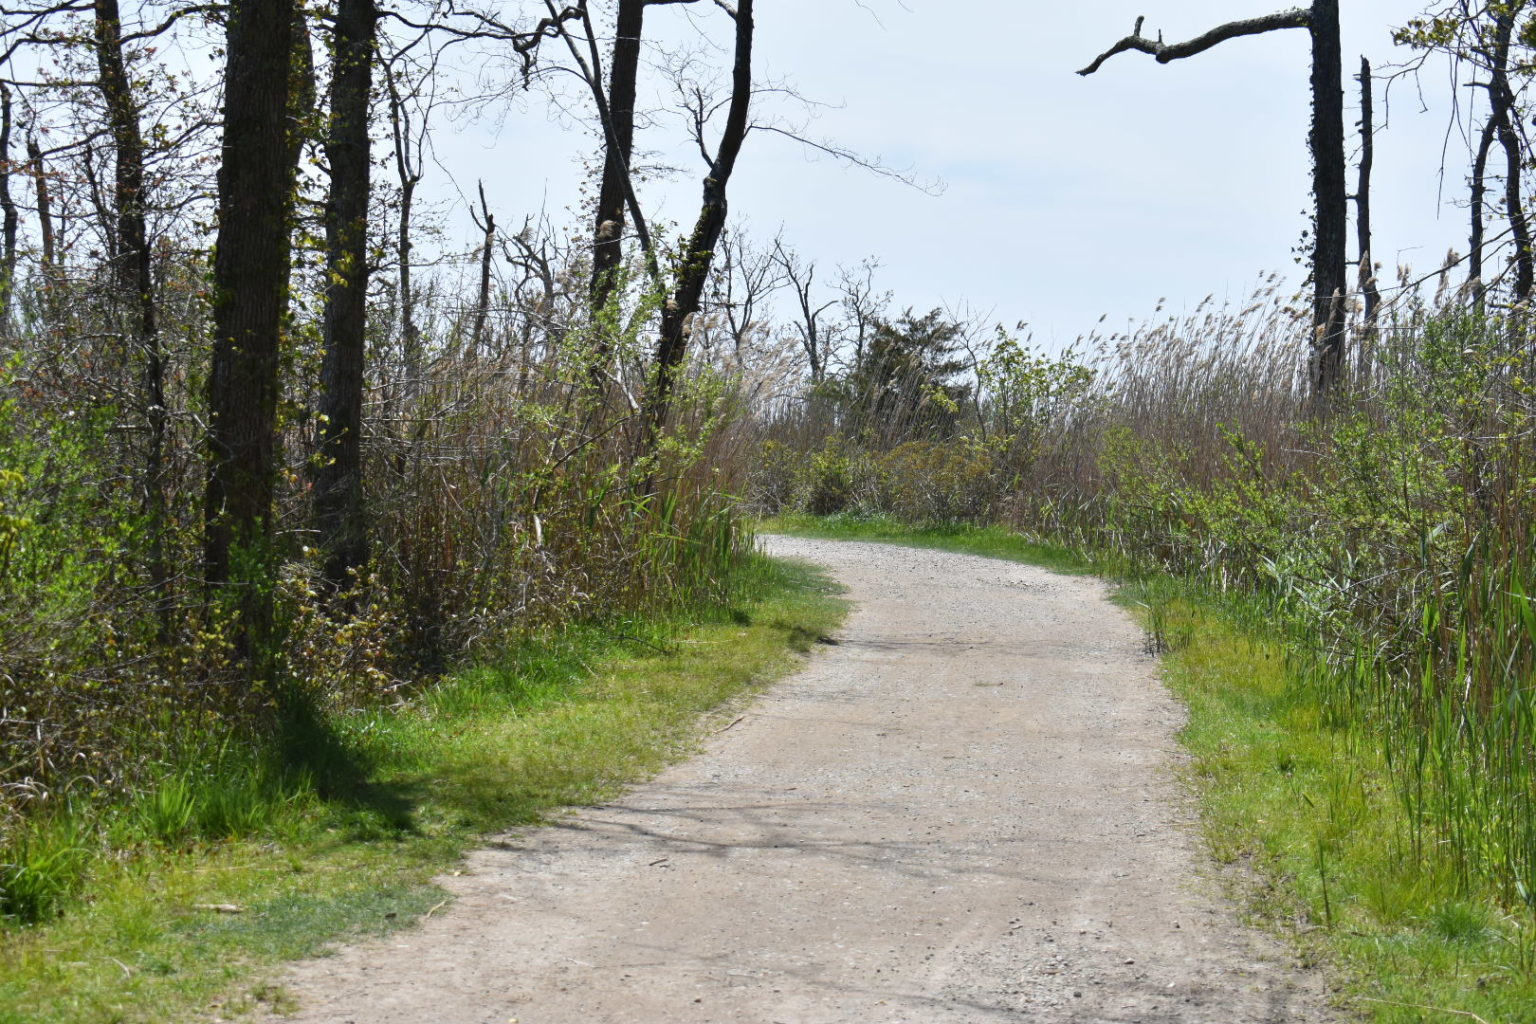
(964, 811)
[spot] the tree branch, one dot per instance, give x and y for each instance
(1297, 17)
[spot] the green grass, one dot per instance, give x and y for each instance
(1299, 802)
(1306, 802)
(150, 936)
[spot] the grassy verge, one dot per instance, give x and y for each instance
(1301, 801)
(170, 929)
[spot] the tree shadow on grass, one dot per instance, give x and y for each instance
(309, 751)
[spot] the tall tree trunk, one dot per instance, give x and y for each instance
(250, 277)
(1367, 270)
(340, 518)
(1479, 205)
(11, 220)
(619, 132)
(486, 222)
(133, 266)
(693, 267)
(1330, 190)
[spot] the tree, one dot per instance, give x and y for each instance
(1482, 35)
(1329, 188)
(1367, 270)
(906, 384)
(9, 219)
(816, 339)
(340, 518)
(133, 266)
(691, 271)
(250, 279)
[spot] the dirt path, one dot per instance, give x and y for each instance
(960, 813)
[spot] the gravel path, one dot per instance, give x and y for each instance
(962, 812)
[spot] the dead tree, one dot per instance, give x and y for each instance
(813, 334)
(485, 220)
(615, 107)
(1482, 36)
(618, 149)
(39, 172)
(409, 136)
(1367, 273)
(1503, 114)
(1329, 189)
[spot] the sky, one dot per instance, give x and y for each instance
(1065, 199)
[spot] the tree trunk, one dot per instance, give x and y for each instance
(1479, 204)
(619, 132)
(250, 278)
(486, 222)
(1330, 191)
(408, 174)
(1502, 115)
(1367, 270)
(340, 519)
(133, 266)
(693, 267)
(11, 221)
(44, 205)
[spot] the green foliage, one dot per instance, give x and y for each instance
(906, 383)
(1026, 391)
(937, 483)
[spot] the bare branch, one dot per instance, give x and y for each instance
(1297, 17)
(874, 165)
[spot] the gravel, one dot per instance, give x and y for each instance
(963, 809)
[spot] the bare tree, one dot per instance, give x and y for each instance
(411, 99)
(864, 309)
(814, 335)
(1482, 35)
(1367, 271)
(39, 171)
(1371, 295)
(617, 111)
(485, 220)
(1329, 189)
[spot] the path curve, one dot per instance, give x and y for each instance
(963, 812)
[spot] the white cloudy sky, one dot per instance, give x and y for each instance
(1067, 197)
